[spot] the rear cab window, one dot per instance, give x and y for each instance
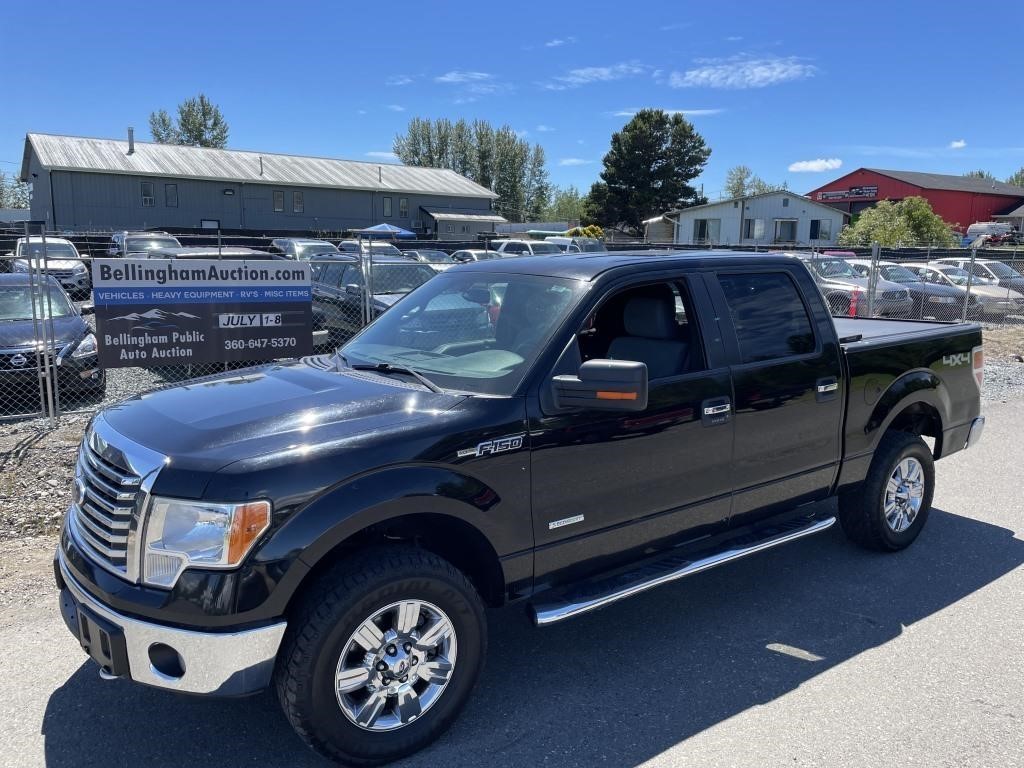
(768, 314)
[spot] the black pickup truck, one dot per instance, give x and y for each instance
(335, 526)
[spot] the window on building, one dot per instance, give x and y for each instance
(821, 229)
(464, 229)
(785, 230)
(769, 316)
(785, 202)
(403, 207)
(707, 230)
(171, 195)
(387, 207)
(735, 204)
(450, 228)
(753, 229)
(278, 200)
(297, 202)
(147, 194)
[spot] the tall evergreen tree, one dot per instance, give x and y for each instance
(200, 123)
(538, 185)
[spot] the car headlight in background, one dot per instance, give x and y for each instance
(86, 347)
(181, 533)
(941, 300)
(80, 269)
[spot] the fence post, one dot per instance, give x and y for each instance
(970, 278)
(876, 251)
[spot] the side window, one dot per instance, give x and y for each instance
(387, 207)
(278, 200)
(147, 194)
(515, 248)
(353, 275)
(298, 204)
(403, 207)
(171, 195)
(768, 314)
(331, 276)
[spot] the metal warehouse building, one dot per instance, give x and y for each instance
(86, 184)
(959, 200)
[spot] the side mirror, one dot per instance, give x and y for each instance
(605, 385)
(352, 289)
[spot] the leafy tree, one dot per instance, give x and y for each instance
(648, 169)
(591, 230)
(511, 155)
(566, 205)
(910, 221)
(740, 181)
(980, 174)
(1016, 178)
(538, 186)
(14, 193)
(200, 123)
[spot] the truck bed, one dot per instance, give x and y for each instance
(864, 330)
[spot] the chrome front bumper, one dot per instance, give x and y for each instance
(217, 663)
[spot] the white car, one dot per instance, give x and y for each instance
(62, 261)
(577, 244)
(996, 302)
(525, 248)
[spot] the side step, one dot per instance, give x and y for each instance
(591, 595)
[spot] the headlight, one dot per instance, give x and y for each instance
(80, 269)
(941, 300)
(183, 533)
(86, 347)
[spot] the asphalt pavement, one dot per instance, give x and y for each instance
(812, 654)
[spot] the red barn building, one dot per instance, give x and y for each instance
(959, 200)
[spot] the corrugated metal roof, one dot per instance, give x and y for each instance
(451, 214)
(802, 198)
(950, 182)
(74, 153)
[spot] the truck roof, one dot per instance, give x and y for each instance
(588, 266)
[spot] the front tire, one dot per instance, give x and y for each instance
(889, 509)
(381, 655)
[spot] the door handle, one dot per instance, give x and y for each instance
(831, 387)
(826, 389)
(713, 410)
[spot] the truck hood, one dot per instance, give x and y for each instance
(19, 334)
(61, 265)
(208, 423)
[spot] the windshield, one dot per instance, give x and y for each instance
(543, 249)
(53, 250)
(833, 268)
(590, 245)
(434, 257)
(897, 274)
(999, 269)
(16, 303)
(384, 249)
(957, 275)
(470, 331)
(308, 250)
(399, 278)
(140, 244)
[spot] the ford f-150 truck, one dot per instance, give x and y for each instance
(335, 526)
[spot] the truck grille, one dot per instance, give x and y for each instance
(895, 295)
(103, 514)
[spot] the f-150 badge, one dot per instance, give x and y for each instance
(491, 447)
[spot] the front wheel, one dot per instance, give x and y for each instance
(381, 655)
(888, 511)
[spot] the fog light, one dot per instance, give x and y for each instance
(166, 660)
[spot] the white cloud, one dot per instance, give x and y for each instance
(360, 111)
(957, 144)
(674, 27)
(544, 129)
(743, 72)
(574, 161)
(459, 76)
(396, 107)
(816, 166)
(574, 78)
(398, 80)
(734, 38)
(382, 155)
(689, 112)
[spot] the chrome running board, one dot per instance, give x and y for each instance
(604, 591)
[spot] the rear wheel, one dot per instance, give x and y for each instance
(381, 656)
(888, 511)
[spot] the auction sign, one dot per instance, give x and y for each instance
(156, 312)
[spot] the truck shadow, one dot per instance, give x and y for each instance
(618, 686)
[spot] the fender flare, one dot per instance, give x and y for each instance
(918, 386)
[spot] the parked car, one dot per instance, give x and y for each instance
(996, 302)
(990, 270)
(339, 292)
(577, 244)
(210, 252)
(373, 246)
(74, 344)
(477, 254)
(846, 290)
(62, 261)
(439, 260)
(301, 249)
(334, 527)
(525, 248)
(132, 243)
(930, 300)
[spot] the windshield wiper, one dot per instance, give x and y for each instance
(389, 368)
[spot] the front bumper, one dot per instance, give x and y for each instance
(214, 663)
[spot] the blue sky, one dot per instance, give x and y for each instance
(826, 87)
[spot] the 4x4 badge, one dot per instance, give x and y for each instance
(490, 447)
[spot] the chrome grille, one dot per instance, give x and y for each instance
(107, 495)
(895, 295)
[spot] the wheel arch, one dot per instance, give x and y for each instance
(918, 403)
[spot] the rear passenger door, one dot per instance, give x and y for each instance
(787, 389)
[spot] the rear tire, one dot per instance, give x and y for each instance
(889, 509)
(327, 676)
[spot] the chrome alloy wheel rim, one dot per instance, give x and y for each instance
(903, 495)
(396, 665)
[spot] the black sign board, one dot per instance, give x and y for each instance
(157, 312)
(849, 194)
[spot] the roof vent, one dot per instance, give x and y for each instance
(131, 141)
